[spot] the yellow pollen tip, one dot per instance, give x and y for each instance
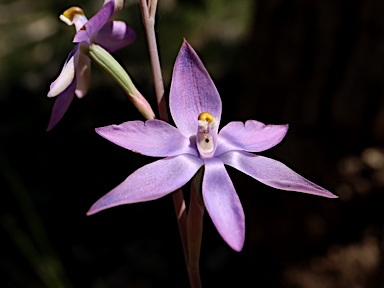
(72, 12)
(206, 116)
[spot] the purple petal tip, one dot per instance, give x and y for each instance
(238, 247)
(188, 46)
(90, 212)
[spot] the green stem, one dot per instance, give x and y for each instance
(113, 68)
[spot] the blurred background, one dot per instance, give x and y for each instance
(317, 65)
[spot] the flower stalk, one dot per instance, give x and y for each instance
(148, 11)
(109, 64)
(195, 230)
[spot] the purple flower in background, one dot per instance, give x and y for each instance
(196, 109)
(90, 28)
(75, 76)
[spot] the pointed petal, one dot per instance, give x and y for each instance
(61, 104)
(272, 173)
(83, 75)
(152, 138)
(151, 182)
(95, 23)
(223, 204)
(67, 74)
(115, 35)
(253, 136)
(192, 91)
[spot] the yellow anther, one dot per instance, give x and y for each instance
(206, 116)
(72, 12)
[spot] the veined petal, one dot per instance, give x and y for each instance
(272, 173)
(152, 138)
(67, 74)
(118, 6)
(115, 35)
(61, 104)
(253, 136)
(83, 75)
(95, 23)
(151, 182)
(223, 204)
(192, 91)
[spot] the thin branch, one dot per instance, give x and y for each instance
(149, 25)
(152, 9)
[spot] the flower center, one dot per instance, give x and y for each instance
(74, 16)
(206, 137)
(70, 14)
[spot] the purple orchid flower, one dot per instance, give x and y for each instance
(89, 29)
(75, 76)
(195, 106)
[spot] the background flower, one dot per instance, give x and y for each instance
(75, 76)
(110, 9)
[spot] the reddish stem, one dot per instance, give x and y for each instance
(148, 11)
(195, 232)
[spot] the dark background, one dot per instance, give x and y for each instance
(317, 65)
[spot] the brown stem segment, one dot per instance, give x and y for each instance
(181, 214)
(195, 232)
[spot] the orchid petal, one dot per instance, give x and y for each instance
(192, 92)
(115, 35)
(272, 173)
(152, 138)
(67, 74)
(151, 182)
(83, 75)
(74, 16)
(253, 136)
(95, 23)
(119, 5)
(79, 21)
(61, 104)
(223, 204)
